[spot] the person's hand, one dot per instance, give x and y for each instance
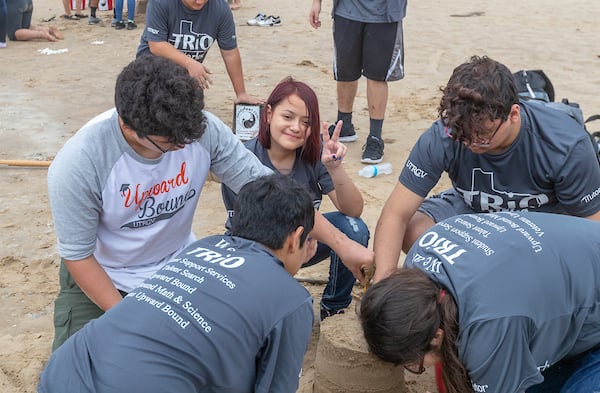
(201, 73)
(310, 248)
(245, 98)
(356, 257)
(333, 150)
(313, 16)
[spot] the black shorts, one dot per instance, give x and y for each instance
(374, 50)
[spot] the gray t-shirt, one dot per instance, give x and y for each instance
(371, 11)
(526, 285)
(550, 167)
(189, 31)
(224, 316)
(134, 213)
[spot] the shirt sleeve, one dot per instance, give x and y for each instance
(231, 162)
(497, 357)
(426, 161)
(579, 197)
(157, 21)
(75, 196)
(280, 363)
(226, 37)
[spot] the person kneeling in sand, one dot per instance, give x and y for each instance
(508, 302)
(19, 23)
(224, 315)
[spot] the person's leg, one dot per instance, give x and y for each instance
(3, 23)
(131, 15)
(347, 64)
(93, 19)
(434, 209)
(72, 308)
(119, 24)
(587, 376)
(382, 61)
(338, 291)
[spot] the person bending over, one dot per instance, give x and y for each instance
(500, 153)
(508, 302)
(225, 315)
(124, 189)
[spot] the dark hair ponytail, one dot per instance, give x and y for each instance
(400, 316)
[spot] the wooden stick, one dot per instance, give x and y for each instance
(34, 163)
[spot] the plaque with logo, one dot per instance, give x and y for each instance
(246, 120)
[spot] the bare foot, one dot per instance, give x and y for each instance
(56, 33)
(235, 6)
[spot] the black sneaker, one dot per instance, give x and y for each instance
(131, 25)
(327, 313)
(346, 135)
(372, 150)
(119, 25)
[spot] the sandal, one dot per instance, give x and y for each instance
(81, 16)
(70, 17)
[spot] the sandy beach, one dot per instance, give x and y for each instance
(44, 99)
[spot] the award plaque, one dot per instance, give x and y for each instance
(246, 120)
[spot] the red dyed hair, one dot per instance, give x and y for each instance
(311, 151)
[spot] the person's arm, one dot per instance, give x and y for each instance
(346, 196)
(595, 216)
(195, 68)
(354, 255)
(313, 15)
(94, 282)
(391, 227)
(233, 64)
(279, 366)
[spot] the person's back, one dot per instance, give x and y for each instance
(201, 351)
(224, 316)
(508, 272)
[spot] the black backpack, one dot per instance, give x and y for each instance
(535, 85)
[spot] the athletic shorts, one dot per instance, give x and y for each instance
(375, 50)
(19, 16)
(72, 308)
(444, 205)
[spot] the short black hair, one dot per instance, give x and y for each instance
(156, 96)
(270, 208)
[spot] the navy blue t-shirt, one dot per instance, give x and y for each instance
(224, 316)
(527, 289)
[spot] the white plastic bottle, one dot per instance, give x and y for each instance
(376, 170)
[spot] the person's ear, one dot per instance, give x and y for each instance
(269, 110)
(293, 257)
(515, 113)
(437, 339)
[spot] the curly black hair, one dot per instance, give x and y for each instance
(479, 90)
(156, 96)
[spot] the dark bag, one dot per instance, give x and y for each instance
(535, 85)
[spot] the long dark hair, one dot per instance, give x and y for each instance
(311, 151)
(400, 316)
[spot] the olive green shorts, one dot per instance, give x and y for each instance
(72, 308)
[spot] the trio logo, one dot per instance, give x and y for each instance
(445, 248)
(194, 45)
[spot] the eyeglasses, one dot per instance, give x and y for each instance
(156, 145)
(477, 141)
(416, 368)
(178, 146)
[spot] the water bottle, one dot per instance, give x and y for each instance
(376, 170)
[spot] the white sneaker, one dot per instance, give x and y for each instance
(258, 18)
(270, 21)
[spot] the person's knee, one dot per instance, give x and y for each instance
(417, 225)
(355, 229)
